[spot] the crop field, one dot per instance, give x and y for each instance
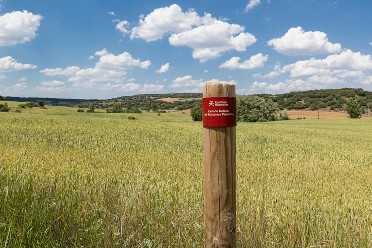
(71, 179)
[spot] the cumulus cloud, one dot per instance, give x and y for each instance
(18, 27)
(109, 68)
(370, 43)
(252, 4)
(17, 89)
(288, 85)
(147, 88)
(109, 73)
(255, 61)
(132, 87)
(165, 20)
(298, 42)
(207, 36)
(345, 61)
(187, 82)
(212, 39)
(164, 68)
(122, 27)
(124, 87)
(68, 71)
(276, 72)
(101, 53)
(51, 86)
(8, 64)
(341, 69)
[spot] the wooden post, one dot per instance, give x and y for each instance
(219, 166)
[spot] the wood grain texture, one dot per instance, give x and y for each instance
(219, 177)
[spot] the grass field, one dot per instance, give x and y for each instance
(71, 179)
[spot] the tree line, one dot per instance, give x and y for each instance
(261, 108)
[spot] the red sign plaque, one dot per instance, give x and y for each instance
(219, 111)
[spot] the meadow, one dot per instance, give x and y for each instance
(71, 179)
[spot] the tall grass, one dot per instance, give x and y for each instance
(101, 180)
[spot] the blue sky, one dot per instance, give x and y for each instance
(105, 49)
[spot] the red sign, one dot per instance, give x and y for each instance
(219, 111)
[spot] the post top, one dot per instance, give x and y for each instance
(219, 89)
(218, 83)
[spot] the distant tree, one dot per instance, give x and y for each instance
(40, 103)
(196, 112)
(353, 108)
(90, 108)
(117, 108)
(28, 105)
(254, 108)
(2, 98)
(4, 107)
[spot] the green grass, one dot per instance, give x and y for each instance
(100, 180)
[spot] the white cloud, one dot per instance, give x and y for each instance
(109, 73)
(163, 21)
(252, 4)
(207, 36)
(255, 61)
(214, 38)
(187, 82)
(2, 77)
(122, 27)
(132, 87)
(123, 61)
(288, 85)
(71, 70)
(370, 43)
(101, 53)
(8, 64)
(151, 88)
(342, 69)
(123, 87)
(345, 64)
(18, 89)
(276, 72)
(50, 86)
(298, 42)
(54, 83)
(111, 13)
(18, 27)
(164, 68)
(347, 61)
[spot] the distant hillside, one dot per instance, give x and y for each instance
(175, 101)
(330, 99)
(50, 101)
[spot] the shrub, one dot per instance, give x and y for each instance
(4, 107)
(196, 113)
(283, 116)
(353, 108)
(256, 109)
(90, 108)
(28, 105)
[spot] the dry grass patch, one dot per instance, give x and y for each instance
(308, 114)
